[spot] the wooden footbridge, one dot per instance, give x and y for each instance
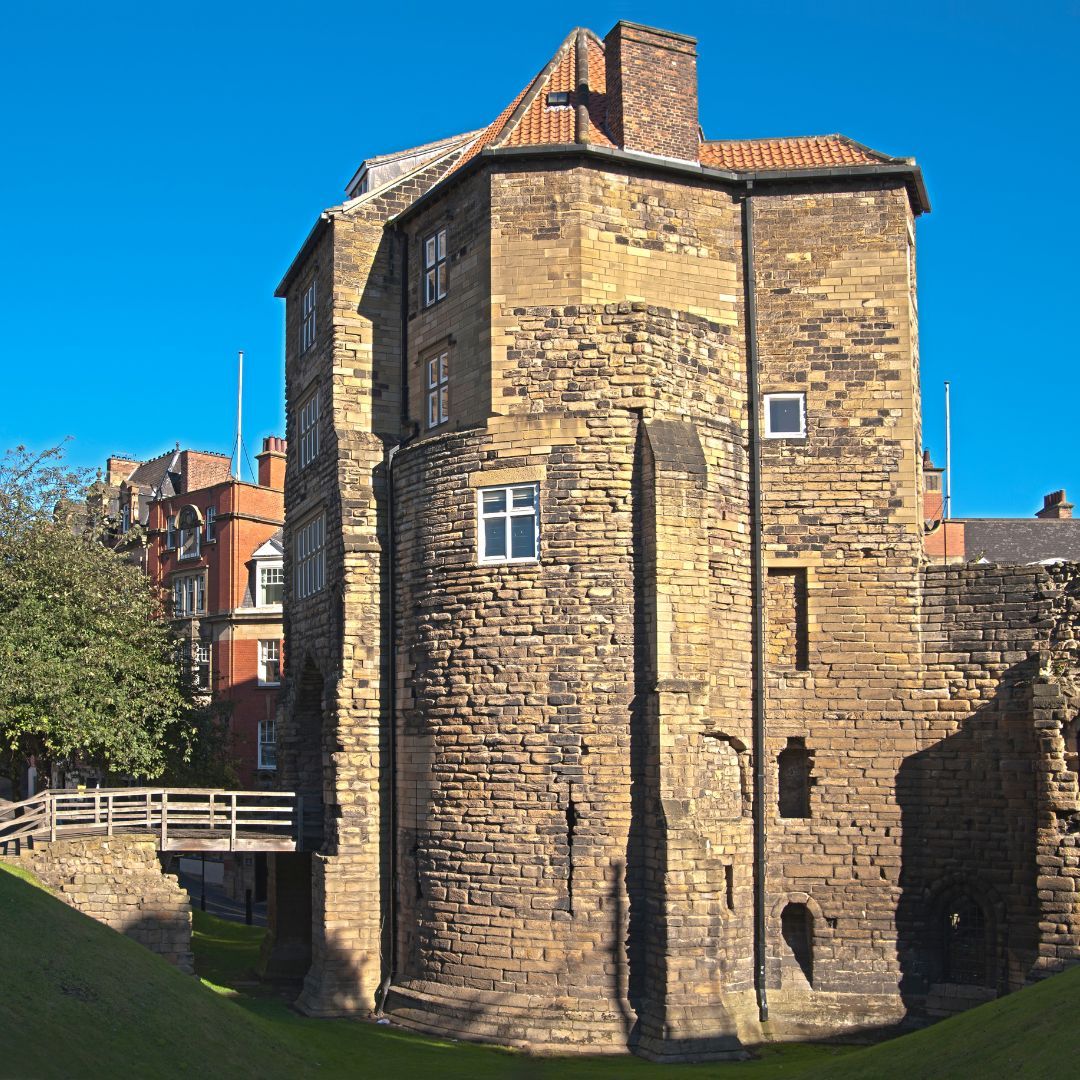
(181, 819)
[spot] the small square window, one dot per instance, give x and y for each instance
(785, 416)
(558, 97)
(509, 523)
(438, 389)
(434, 267)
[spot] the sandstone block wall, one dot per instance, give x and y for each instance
(119, 882)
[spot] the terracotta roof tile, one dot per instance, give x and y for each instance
(815, 151)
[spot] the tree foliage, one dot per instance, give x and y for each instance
(87, 660)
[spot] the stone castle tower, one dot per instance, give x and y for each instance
(607, 621)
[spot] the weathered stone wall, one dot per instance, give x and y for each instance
(119, 882)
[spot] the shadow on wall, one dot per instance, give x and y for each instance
(967, 921)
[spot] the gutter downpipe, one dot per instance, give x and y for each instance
(391, 627)
(757, 604)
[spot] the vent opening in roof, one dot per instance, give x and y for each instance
(558, 97)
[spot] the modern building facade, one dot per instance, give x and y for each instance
(637, 715)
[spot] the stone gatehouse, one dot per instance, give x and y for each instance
(637, 715)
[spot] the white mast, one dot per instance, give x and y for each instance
(240, 414)
(948, 456)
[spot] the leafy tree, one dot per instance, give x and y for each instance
(87, 657)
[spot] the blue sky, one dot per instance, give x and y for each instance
(164, 163)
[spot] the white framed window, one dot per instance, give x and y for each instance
(309, 429)
(307, 318)
(189, 595)
(785, 416)
(310, 556)
(269, 663)
(267, 744)
(434, 267)
(438, 389)
(200, 664)
(210, 524)
(508, 523)
(271, 589)
(170, 532)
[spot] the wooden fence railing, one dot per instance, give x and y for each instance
(182, 819)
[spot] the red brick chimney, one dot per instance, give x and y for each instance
(272, 463)
(652, 104)
(933, 495)
(1055, 506)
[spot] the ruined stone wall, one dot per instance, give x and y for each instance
(842, 538)
(989, 802)
(119, 882)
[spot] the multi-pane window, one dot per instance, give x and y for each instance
(190, 529)
(189, 595)
(509, 523)
(271, 585)
(269, 663)
(267, 745)
(210, 527)
(200, 664)
(310, 557)
(125, 519)
(434, 267)
(438, 389)
(785, 416)
(307, 318)
(170, 532)
(309, 429)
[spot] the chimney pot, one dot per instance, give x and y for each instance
(1055, 506)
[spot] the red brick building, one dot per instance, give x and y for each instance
(214, 544)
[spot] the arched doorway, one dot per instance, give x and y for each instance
(965, 942)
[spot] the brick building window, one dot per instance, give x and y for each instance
(509, 523)
(795, 767)
(170, 532)
(797, 929)
(271, 585)
(309, 428)
(438, 389)
(434, 267)
(269, 663)
(200, 664)
(267, 744)
(785, 416)
(210, 525)
(310, 557)
(307, 318)
(190, 531)
(189, 595)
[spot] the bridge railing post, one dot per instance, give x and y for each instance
(109, 814)
(52, 816)
(299, 822)
(211, 811)
(232, 823)
(164, 820)
(149, 815)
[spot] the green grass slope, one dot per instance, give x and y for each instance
(1033, 1033)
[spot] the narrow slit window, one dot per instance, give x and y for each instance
(307, 318)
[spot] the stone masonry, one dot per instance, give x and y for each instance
(540, 777)
(119, 882)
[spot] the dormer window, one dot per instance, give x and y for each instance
(271, 584)
(434, 267)
(558, 97)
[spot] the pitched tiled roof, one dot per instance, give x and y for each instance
(813, 152)
(529, 120)
(1021, 540)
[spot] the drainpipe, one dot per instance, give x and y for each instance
(757, 604)
(391, 626)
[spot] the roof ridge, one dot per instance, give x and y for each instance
(531, 94)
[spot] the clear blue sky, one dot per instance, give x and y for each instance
(163, 163)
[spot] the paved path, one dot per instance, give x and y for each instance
(220, 903)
